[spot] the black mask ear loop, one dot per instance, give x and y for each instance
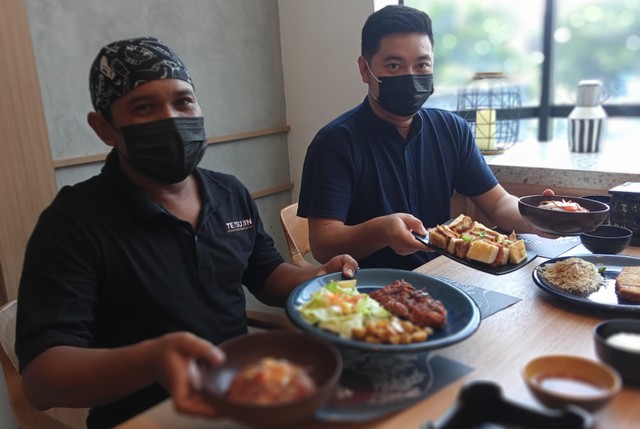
(377, 80)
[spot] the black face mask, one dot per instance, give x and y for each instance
(167, 150)
(403, 95)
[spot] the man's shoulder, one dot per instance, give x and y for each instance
(345, 120)
(217, 181)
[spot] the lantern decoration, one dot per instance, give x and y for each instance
(491, 104)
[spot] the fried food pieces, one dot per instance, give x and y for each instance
(468, 239)
(628, 284)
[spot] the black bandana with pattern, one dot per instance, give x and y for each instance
(123, 65)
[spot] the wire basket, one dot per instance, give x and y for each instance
(491, 104)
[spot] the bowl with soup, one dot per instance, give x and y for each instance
(561, 380)
(562, 215)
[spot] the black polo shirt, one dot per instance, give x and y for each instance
(358, 167)
(107, 267)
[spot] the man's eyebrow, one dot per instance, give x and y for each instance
(400, 58)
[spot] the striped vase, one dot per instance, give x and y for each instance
(588, 119)
(585, 132)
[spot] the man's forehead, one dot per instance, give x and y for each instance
(157, 89)
(403, 44)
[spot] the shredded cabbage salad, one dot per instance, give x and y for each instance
(339, 307)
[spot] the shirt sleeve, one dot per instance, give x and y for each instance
(328, 177)
(57, 289)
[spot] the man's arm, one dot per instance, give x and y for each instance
(66, 376)
(287, 276)
(502, 209)
(329, 237)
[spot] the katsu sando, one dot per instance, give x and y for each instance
(471, 240)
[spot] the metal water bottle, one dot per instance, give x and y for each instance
(588, 119)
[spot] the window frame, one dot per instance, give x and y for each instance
(548, 110)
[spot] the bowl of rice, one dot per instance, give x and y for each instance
(617, 343)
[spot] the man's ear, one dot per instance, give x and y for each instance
(364, 71)
(102, 128)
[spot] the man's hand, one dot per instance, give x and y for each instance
(173, 364)
(344, 263)
(398, 230)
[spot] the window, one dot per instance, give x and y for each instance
(546, 47)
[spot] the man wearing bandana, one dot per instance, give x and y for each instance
(132, 274)
(388, 167)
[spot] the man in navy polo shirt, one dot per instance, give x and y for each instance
(389, 167)
(134, 273)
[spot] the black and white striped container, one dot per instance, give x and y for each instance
(588, 119)
(585, 135)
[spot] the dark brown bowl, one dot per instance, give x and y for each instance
(609, 239)
(625, 361)
(320, 358)
(561, 222)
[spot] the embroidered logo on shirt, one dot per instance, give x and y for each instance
(239, 225)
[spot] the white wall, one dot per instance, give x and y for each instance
(320, 47)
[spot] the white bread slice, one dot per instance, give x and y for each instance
(517, 252)
(482, 251)
(440, 236)
(458, 247)
(503, 256)
(461, 224)
(628, 284)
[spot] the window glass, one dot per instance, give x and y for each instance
(592, 39)
(597, 39)
(473, 36)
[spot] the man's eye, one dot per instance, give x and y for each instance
(393, 66)
(142, 107)
(184, 101)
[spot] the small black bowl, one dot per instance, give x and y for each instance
(626, 362)
(607, 239)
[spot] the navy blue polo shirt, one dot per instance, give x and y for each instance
(359, 167)
(107, 267)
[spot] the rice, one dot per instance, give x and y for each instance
(625, 340)
(572, 275)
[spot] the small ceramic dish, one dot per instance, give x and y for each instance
(319, 358)
(561, 380)
(607, 239)
(558, 222)
(625, 356)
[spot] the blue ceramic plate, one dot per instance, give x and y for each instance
(605, 298)
(463, 315)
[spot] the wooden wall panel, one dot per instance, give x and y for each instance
(27, 179)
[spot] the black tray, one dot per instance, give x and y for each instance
(501, 269)
(481, 405)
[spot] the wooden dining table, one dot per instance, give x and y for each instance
(538, 324)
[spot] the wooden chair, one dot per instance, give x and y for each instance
(296, 230)
(28, 416)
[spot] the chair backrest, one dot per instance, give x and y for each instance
(296, 230)
(27, 415)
